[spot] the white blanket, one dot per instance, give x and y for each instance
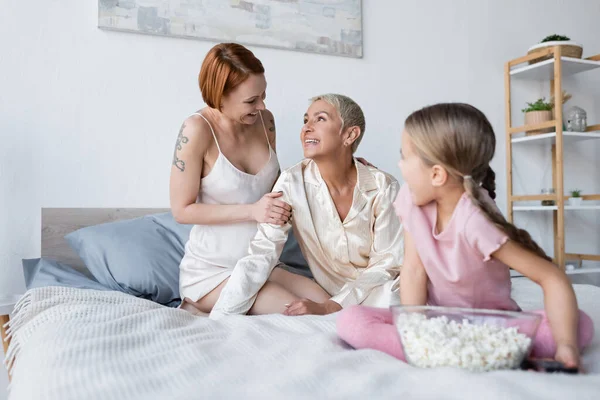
(84, 344)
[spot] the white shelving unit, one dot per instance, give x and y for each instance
(576, 271)
(554, 69)
(544, 70)
(554, 208)
(550, 138)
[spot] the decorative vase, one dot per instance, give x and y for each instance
(569, 48)
(575, 201)
(548, 191)
(537, 117)
(576, 119)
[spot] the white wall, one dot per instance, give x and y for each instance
(89, 117)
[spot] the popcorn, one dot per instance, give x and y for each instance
(440, 342)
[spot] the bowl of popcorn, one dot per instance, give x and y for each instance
(472, 339)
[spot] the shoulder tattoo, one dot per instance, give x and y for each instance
(181, 140)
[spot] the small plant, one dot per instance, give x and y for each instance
(555, 38)
(539, 105)
(576, 198)
(542, 105)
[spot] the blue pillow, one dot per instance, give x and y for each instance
(141, 256)
(138, 256)
(41, 272)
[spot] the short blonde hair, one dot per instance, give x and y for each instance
(350, 113)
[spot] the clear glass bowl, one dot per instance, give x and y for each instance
(471, 339)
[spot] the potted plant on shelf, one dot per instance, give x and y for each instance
(569, 48)
(575, 199)
(536, 113)
(541, 111)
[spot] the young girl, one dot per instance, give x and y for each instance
(458, 246)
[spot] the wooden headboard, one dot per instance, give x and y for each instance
(57, 222)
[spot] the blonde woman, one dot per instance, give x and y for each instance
(343, 220)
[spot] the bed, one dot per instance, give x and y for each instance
(73, 343)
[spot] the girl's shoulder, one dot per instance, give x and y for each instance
(479, 231)
(409, 213)
(470, 213)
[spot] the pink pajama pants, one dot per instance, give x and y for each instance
(372, 328)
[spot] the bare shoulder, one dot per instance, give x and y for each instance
(196, 128)
(270, 126)
(192, 143)
(195, 133)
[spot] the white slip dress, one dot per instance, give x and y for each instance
(212, 251)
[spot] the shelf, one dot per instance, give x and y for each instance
(576, 271)
(550, 138)
(544, 70)
(554, 208)
(540, 197)
(534, 127)
(547, 71)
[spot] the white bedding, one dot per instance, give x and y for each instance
(84, 344)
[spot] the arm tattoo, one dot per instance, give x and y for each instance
(272, 127)
(181, 140)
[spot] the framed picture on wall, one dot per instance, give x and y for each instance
(331, 27)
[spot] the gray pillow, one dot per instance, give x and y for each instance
(41, 272)
(293, 258)
(139, 256)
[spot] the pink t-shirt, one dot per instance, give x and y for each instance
(457, 260)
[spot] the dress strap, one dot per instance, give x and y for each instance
(211, 129)
(265, 129)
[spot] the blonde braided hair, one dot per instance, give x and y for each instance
(460, 138)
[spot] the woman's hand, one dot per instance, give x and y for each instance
(568, 355)
(308, 307)
(270, 210)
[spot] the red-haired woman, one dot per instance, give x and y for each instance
(224, 167)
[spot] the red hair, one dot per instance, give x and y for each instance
(226, 66)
